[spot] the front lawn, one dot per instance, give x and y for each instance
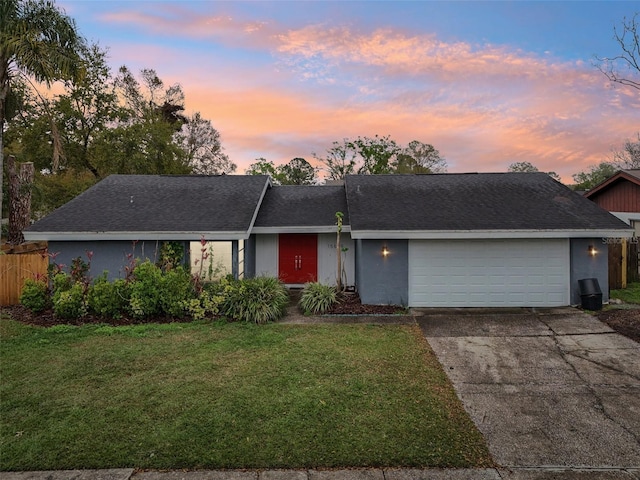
(216, 395)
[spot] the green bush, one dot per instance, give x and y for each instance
(34, 295)
(258, 300)
(209, 303)
(144, 300)
(70, 304)
(176, 289)
(317, 298)
(61, 282)
(108, 299)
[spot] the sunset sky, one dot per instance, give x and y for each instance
(486, 83)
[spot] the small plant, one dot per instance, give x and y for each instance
(171, 255)
(175, 289)
(144, 300)
(108, 299)
(79, 269)
(70, 304)
(34, 295)
(259, 300)
(317, 298)
(61, 282)
(208, 303)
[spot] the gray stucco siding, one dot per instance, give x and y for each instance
(382, 280)
(111, 256)
(584, 265)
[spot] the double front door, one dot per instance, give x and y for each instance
(297, 258)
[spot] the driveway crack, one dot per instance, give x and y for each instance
(599, 403)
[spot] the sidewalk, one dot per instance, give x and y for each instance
(546, 473)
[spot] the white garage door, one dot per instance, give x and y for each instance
(489, 273)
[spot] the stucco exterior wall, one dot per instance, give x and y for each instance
(328, 263)
(107, 255)
(584, 265)
(382, 280)
(266, 255)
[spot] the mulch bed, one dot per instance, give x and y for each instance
(350, 304)
(48, 319)
(625, 322)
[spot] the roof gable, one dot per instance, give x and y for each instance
(505, 202)
(293, 207)
(632, 176)
(150, 206)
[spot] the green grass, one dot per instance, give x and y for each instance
(214, 395)
(631, 294)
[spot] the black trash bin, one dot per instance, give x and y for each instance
(590, 294)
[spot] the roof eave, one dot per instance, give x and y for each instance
(132, 236)
(300, 229)
(488, 234)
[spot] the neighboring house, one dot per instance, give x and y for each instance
(620, 195)
(445, 240)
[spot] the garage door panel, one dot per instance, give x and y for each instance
(489, 273)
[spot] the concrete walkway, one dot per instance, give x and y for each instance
(555, 392)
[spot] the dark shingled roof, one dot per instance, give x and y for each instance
(470, 201)
(302, 206)
(161, 203)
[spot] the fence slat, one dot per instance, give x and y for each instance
(14, 270)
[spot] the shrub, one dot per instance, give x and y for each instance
(144, 300)
(108, 299)
(61, 282)
(34, 295)
(209, 303)
(317, 298)
(176, 289)
(258, 300)
(70, 304)
(79, 271)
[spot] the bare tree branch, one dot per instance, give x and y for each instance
(624, 68)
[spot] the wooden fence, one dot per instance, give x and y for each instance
(14, 270)
(624, 264)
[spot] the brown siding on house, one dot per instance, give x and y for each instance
(624, 196)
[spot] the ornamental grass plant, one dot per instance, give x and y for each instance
(317, 298)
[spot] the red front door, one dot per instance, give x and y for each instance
(297, 257)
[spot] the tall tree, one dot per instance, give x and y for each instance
(629, 157)
(39, 41)
(624, 68)
(262, 166)
(297, 172)
(202, 147)
(530, 167)
(377, 154)
(339, 161)
(595, 175)
(87, 108)
(380, 155)
(418, 157)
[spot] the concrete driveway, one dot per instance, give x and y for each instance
(547, 388)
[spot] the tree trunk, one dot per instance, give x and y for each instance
(4, 92)
(339, 261)
(20, 183)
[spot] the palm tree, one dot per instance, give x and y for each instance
(39, 41)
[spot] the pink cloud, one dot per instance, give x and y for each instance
(482, 106)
